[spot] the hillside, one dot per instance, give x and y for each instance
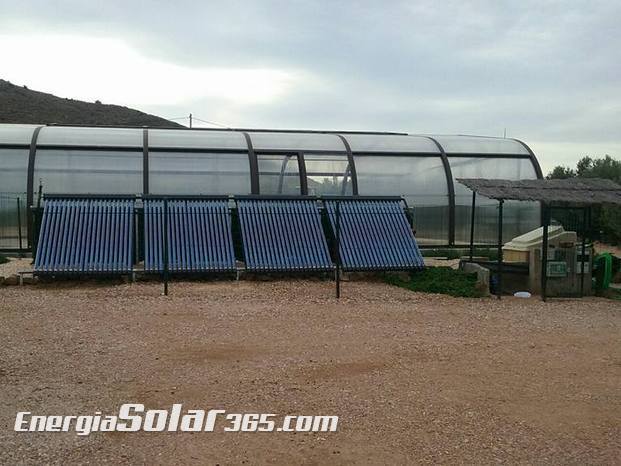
(21, 105)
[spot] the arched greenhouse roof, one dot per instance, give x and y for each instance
(138, 160)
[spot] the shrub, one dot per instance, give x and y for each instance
(443, 280)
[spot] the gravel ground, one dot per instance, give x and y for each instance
(14, 266)
(415, 378)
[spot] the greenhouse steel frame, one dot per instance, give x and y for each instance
(357, 154)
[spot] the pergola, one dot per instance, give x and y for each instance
(573, 193)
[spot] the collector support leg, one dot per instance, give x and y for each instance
(165, 247)
(584, 229)
(544, 252)
(474, 200)
(337, 247)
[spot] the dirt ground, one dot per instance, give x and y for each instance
(415, 378)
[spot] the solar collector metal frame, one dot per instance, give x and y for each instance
(86, 235)
(199, 235)
(283, 234)
(372, 237)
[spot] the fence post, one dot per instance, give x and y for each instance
(19, 222)
(165, 247)
(337, 247)
(582, 252)
(474, 200)
(544, 252)
(500, 204)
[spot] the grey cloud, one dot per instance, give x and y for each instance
(546, 70)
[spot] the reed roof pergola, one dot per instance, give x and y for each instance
(572, 193)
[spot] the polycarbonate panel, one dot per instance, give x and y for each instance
(88, 172)
(328, 175)
(13, 180)
(13, 170)
(296, 141)
(16, 134)
(198, 173)
(390, 143)
(480, 145)
(197, 139)
(279, 174)
(519, 217)
(421, 181)
(77, 136)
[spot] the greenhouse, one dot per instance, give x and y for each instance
(44, 160)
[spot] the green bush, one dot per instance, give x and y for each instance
(3, 260)
(443, 280)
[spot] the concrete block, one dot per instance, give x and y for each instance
(482, 275)
(11, 280)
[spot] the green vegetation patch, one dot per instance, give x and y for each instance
(443, 280)
(610, 293)
(3, 260)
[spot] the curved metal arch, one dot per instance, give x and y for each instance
(538, 172)
(450, 185)
(145, 161)
(302, 170)
(254, 165)
(352, 166)
(533, 159)
(283, 171)
(30, 182)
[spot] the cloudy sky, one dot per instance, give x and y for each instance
(547, 71)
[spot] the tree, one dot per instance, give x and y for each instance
(560, 173)
(606, 219)
(607, 168)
